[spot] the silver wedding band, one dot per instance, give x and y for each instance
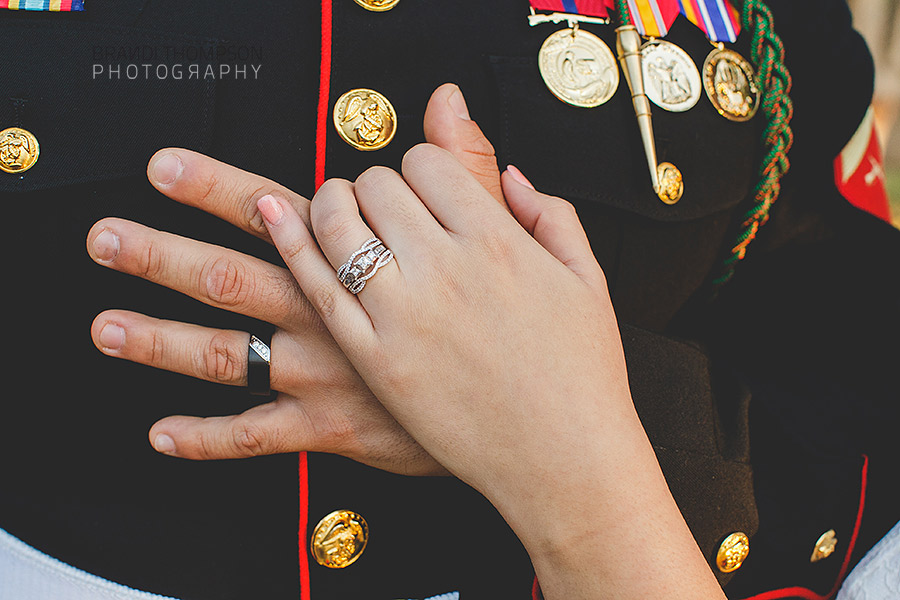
(363, 264)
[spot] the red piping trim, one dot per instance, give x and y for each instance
(536, 590)
(319, 179)
(324, 91)
(807, 594)
(302, 526)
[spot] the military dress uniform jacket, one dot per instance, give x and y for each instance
(770, 409)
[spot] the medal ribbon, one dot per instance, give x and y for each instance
(591, 8)
(718, 19)
(49, 5)
(653, 17)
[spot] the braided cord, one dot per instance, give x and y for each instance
(774, 81)
(624, 13)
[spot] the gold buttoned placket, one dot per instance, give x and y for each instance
(365, 119)
(19, 150)
(733, 552)
(824, 547)
(377, 5)
(339, 539)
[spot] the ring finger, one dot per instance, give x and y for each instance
(218, 355)
(341, 232)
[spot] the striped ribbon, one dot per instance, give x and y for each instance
(718, 19)
(591, 8)
(653, 17)
(51, 5)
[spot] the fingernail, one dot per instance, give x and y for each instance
(270, 208)
(166, 169)
(112, 337)
(518, 176)
(106, 246)
(458, 103)
(164, 444)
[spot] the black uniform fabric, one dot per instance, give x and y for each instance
(788, 371)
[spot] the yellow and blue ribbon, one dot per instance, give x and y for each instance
(718, 19)
(48, 5)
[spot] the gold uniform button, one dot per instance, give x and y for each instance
(19, 150)
(365, 119)
(377, 5)
(733, 552)
(825, 546)
(339, 539)
(671, 183)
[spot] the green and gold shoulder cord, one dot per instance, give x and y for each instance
(773, 79)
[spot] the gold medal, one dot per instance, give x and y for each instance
(729, 83)
(671, 79)
(365, 119)
(578, 68)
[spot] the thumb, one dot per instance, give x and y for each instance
(554, 224)
(448, 125)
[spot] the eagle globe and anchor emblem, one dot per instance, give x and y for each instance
(19, 150)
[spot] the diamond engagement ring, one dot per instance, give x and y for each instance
(362, 265)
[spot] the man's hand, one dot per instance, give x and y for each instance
(323, 405)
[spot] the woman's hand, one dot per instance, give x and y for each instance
(497, 349)
(323, 405)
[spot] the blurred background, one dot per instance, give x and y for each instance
(879, 22)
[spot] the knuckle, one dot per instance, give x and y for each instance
(251, 215)
(293, 250)
(157, 347)
(559, 214)
(333, 226)
(228, 282)
(421, 155)
(204, 446)
(374, 178)
(212, 187)
(329, 189)
(497, 247)
(334, 432)
(151, 261)
(479, 145)
(249, 439)
(222, 360)
(560, 211)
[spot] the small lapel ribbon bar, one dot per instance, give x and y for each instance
(48, 5)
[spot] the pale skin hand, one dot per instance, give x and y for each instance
(497, 349)
(323, 405)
